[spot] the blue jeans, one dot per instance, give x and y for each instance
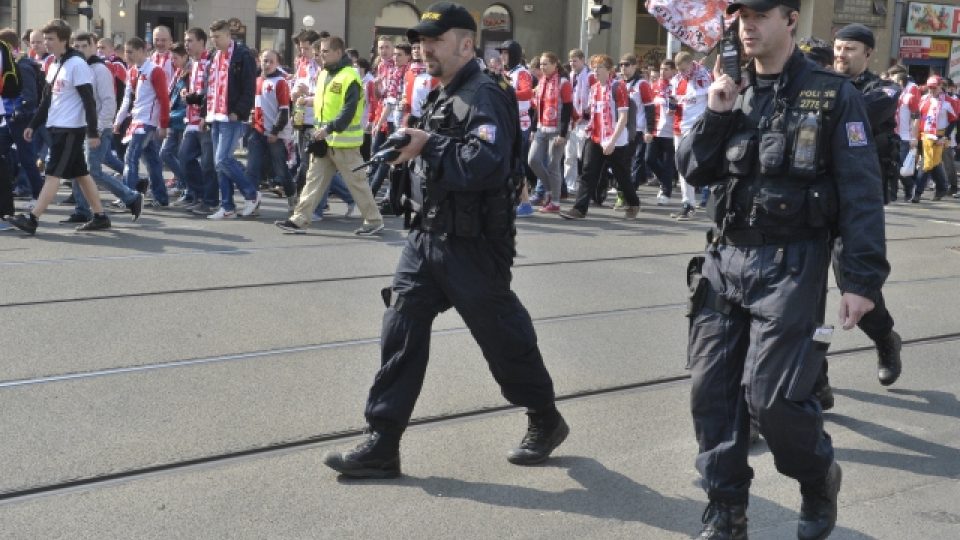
(146, 145)
(260, 151)
(95, 161)
(11, 135)
(660, 160)
(339, 188)
(169, 152)
(229, 171)
(199, 173)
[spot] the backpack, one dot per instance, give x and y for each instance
(632, 112)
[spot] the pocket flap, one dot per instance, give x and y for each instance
(782, 201)
(738, 147)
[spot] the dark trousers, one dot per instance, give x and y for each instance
(594, 163)
(6, 186)
(661, 162)
(25, 155)
(262, 155)
(742, 362)
(379, 172)
(638, 165)
(473, 276)
(200, 173)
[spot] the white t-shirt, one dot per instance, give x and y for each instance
(66, 107)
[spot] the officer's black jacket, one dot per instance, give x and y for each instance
(854, 169)
(880, 100)
(474, 156)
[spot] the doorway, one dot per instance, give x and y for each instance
(174, 14)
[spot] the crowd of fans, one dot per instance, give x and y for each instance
(588, 124)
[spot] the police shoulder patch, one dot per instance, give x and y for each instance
(856, 134)
(486, 132)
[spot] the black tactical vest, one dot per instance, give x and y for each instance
(777, 160)
(469, 214)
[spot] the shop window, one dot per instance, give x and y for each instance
(273, 8)
(275, 28)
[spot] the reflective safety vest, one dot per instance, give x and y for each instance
(328, 103)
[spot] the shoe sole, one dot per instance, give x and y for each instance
(364, 472)
(370, 232)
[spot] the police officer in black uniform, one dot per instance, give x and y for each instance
(796, 166)
(458, 254)
(853, 45)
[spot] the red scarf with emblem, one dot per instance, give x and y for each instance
(548, 100)
(217, 101)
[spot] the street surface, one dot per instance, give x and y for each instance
(182, 378)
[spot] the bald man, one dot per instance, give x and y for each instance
(162, 42)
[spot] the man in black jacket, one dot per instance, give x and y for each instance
(232, 84)
(20, 100)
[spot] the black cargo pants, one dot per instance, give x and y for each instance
(472, 275)
(744, 359)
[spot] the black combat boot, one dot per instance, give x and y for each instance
(545, 431)
(888, 358)
(818, 511)
(376, 457)
(724, 521)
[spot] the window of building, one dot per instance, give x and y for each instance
(275, 28)
(394, 20)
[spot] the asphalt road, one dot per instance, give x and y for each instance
(182, 378)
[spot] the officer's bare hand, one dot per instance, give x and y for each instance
(648, 138)
(722, 94)
(28, 135)
(852, 308)
(418, 138)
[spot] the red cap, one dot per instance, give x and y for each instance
(934, 80)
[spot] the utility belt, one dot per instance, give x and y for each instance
(468, 215)
(766, 236)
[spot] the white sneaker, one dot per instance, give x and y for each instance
(250, 207)
(223, 214)
(30, 205)
(351, 208)
(662, 200)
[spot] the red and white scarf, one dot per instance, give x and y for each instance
(217, 98)
(548, 101)
(602, 104)
(198, 80)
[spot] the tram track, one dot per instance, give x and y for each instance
(350, 343)
(337, 279)
(52, 488)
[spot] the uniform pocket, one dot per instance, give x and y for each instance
(782, 206)
(740, 154)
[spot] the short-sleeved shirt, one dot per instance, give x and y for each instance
(66, 107)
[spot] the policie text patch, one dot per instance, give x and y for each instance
(856, 134)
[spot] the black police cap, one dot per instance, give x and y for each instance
(440, 17)
(857, 32)
(762, 5)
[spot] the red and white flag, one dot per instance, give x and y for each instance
(698, 24)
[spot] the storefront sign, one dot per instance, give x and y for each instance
(954, 69)
(933, 19)
(915, 47)
(940, 48)
(923, 48)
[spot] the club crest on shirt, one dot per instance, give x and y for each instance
(856, 134)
